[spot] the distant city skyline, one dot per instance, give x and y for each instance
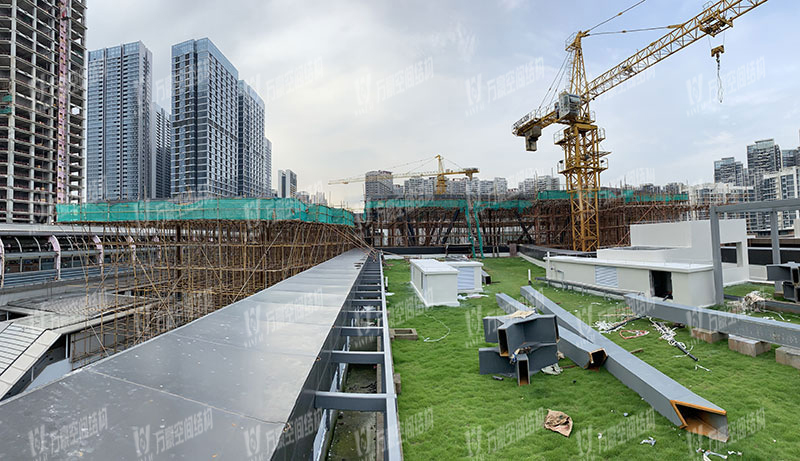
(448, 65)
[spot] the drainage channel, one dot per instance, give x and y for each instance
(366, 426)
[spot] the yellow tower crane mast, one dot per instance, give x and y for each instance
(440, 173)
(580, 139)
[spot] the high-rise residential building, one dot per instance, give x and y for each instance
(500, 187)
(287, 184)
(762, 157)
(42, 101)
(118, 138)
(728, 170)
(268, 167)
(378, 185)
(701, 196)
(161, 153)
(204, 120)
(319, 198)
(420, 187)
(674, 188)
(253, 177)
(789, 157)
(781, 185)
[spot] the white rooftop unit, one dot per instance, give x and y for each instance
(435, 282)
(469, 275)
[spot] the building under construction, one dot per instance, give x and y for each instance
(485, 225)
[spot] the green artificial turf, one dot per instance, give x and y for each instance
(449, 411)
(742, 289)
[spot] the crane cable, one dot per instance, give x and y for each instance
(625, 31)
(618, 14)
(555, 84)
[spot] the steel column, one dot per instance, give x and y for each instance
(776, 244)
(716, 256)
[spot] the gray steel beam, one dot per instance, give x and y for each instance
(716, 256)
(678, 404)
(583, 352)
(349, 401)
(509, 304)
(360, 331)
(490, 325)
(778, 272)
(775, 243)
(769, 205)
(490, 361)
(771, 331)
(357, 357)
(530, 333)
(376, 314)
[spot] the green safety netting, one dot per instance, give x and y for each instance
(275, 209)
(520, 204)
(628, 195)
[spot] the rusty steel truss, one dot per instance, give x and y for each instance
(539, 222)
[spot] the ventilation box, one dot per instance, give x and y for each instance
(469, 275)
(435, 282)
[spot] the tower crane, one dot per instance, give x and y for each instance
(580, 139)
(441, 180)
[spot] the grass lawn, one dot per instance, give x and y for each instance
(449, 411)
(742, 289)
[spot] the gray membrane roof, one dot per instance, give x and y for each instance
(201, 391)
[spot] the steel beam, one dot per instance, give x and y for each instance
(678, 404)
(490, 325)
(583, 352)
(490, 362)
(360, 331)
(376, 314)
(349, 401)
(366, 358)
(527, 334)
(509, 304)
(771, 331)
(767, 205)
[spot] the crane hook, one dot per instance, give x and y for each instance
(716, 52)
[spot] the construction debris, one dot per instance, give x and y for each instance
(558, 421)
(707, 453)
(553, 369)
(668, 335)
(631, 334)
(650, 440)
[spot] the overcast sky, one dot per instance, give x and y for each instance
(352, 86)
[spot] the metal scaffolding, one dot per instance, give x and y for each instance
(158, 275)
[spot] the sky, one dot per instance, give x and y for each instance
(352, 86)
